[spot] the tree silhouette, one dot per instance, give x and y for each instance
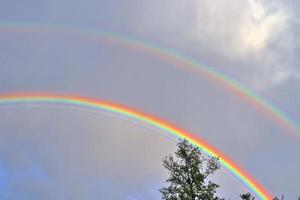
(247, 196)
(188, 174)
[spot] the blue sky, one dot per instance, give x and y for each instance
(57, 153)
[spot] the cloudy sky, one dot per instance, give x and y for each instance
(53, 152)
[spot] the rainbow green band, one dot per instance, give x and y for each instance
(187, 64)
(96, 104)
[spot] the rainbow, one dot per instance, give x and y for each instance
(187, 64)
(133, 114)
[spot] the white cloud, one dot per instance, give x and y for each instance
(254, 34)
(247, 32)
(259, 27)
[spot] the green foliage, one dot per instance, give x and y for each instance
(188, 174)
(247, 196)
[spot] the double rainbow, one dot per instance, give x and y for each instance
(179, 61)
(183, 62)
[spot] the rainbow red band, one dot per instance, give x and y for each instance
(96, 104)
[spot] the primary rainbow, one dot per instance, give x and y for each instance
(187, 64)
(133, 114)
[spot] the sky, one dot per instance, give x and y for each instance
(54, 152)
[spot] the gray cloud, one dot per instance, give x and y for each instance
(70, 154)
(258, 36)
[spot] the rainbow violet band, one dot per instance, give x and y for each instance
(133, 114)
(183, 62)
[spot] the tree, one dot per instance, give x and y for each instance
(247, 196)
(188, 174)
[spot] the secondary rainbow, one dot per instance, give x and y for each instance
(184, 62)
(133, 114)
